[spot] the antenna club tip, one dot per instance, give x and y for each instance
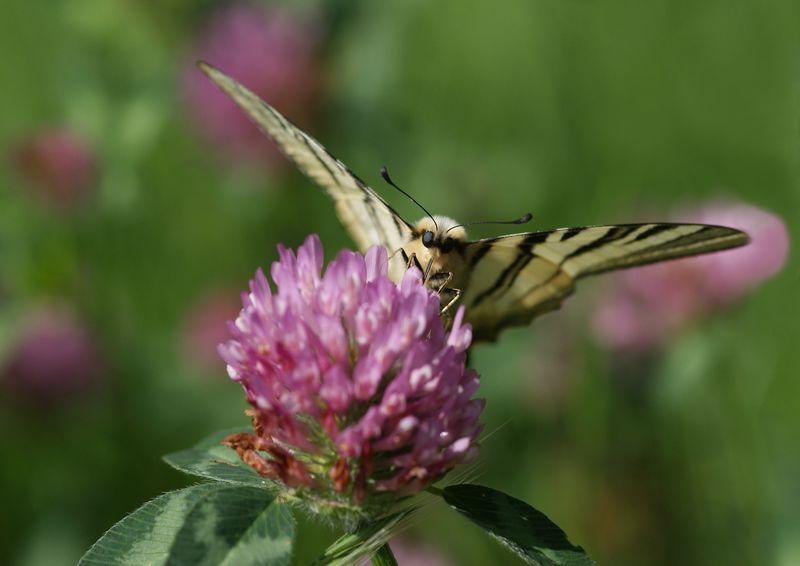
(525, 218)
(385, 175)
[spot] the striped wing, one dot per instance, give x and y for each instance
(368, 218)
(516, 278)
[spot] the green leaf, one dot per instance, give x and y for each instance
(517, 525)
(352, 547)
(384, 557)
(210, 459)
(210, 523)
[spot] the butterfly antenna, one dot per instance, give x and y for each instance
(524, 219)
(385, 175)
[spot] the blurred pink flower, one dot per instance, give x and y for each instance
(357, 390)
(648, 304)
(204, 328)
(54, 357)
(57, 164)
(274, 52)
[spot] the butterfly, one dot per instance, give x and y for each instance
(502, 281)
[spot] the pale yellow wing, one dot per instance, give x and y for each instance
(368, 218)
(515, 278)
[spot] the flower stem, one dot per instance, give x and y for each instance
(384, 557)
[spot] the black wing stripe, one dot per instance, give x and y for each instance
(369, 198)
(683, 241)
(478, 255)
(509, 275)
(626, 230)
(397, 225)
(651, 232)
(614, 233)
(278, 117)
(399, 221)
(525, 248)
(318, 158)
(361, 184)
(526, 259)
(499, 282)
(687, 245)
(536, 237)
(367, 203)
(571, 233)
(506, 280)
(298, 134)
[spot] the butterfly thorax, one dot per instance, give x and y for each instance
(437, 246)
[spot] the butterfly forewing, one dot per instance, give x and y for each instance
(368, 218)
(516, 278)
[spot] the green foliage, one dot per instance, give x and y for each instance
(517, 525)
(211, 460)
(211, 523)
(235, 520)
(384, 557)
(350, 548)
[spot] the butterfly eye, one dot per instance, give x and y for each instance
(447, 245)
(427, 238)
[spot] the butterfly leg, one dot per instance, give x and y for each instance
(411, 261)
(398, 251)
(456, 295)
(448, 276)
(427, 271)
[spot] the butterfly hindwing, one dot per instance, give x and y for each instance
(518, 277)
(367, 217)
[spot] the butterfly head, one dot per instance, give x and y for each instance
(436, 248)
(440, 233)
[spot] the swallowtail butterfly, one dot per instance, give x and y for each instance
(502, 281)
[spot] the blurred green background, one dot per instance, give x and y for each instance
(581, 111)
